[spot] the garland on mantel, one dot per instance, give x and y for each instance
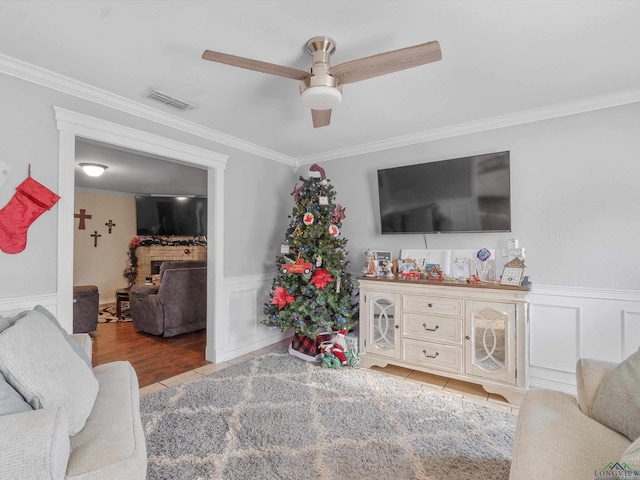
(131, 270)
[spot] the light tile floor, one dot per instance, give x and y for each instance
(468, 391)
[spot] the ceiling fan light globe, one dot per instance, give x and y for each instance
(321, 97)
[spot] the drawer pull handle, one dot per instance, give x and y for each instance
(430, 356)
(430, 305)
(430, 329)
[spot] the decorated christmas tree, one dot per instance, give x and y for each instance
(312, 291)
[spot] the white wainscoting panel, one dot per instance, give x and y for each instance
(566, 323)
(12, 306)
(556, 334)
(630, 332)
(244, 333)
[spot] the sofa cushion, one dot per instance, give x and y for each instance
(75, 345)
(34, 445)
(39, 363)
(554, 439)
(10, 400)
(617, 404)
(631, 455)
(112, 444)
(8, 322)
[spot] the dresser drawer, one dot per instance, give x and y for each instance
(432, 328)
(432, 355)
(432, 305)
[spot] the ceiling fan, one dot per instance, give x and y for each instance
(321, 87)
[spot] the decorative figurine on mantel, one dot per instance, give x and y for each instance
(513, 273)
(513, 250)
(483, 266)
(370, 269)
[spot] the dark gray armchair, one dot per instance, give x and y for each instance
(177, 305)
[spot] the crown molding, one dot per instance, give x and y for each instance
(46, 78)
(564, 109)
(69, 86)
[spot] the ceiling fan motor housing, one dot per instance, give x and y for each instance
(321, 90)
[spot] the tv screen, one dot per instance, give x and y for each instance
(171, 216)
(469, 194)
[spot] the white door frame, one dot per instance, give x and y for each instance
(71, 125)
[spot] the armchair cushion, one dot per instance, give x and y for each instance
(45, 370)
(617, 404)
(590, 374)
(631, 455)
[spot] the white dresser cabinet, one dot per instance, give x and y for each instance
(472, 332)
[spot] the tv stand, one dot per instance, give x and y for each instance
(472, 332)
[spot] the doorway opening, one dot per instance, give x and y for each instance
(72, 125)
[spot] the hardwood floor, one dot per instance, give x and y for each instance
(154, 358)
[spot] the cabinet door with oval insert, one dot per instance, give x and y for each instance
(490, 337)
(383, 329)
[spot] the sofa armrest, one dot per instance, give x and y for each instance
(35, 444)
(84, 340)
(590, 374)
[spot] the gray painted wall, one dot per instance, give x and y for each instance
(575, 197)
(254, 197)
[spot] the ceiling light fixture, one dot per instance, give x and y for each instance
(321, 97)
(93, 169)
(321, 90)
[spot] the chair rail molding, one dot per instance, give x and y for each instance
(244, 297)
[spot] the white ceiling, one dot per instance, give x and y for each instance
(500, 58)
(136, 174)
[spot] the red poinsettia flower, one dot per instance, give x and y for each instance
(281, 297)
(338, 214)
(321, 277)
(135, 241)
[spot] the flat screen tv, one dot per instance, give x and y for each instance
(469, 194)
(171, 216)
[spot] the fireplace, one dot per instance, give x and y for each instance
(150, 258)
(155, 266)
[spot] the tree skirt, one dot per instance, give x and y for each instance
(107, 314)
(278, 417)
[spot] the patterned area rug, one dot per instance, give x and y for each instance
(107, 314)
(279, 417)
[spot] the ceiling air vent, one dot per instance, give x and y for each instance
(169, 100)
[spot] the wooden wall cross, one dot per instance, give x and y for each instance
(95, 236)
(82, 217)
(110, 225)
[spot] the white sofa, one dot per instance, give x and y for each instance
(53, 428)
(557, 435)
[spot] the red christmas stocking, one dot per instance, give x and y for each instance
(31, 200)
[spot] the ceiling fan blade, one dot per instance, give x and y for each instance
(256, 65)
(321, 118)
(387, 62)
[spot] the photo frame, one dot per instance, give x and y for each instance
(384, 263)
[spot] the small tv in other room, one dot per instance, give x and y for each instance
(460, 195)
(171, 216)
